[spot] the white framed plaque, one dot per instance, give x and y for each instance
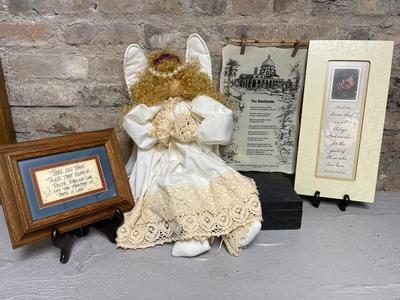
(342, 119)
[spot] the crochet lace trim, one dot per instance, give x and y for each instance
(163, 124)
(226, 208)
(185, 128)
(167, 129)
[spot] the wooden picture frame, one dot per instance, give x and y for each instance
(79, 179)
(342, 120)
(7, 132)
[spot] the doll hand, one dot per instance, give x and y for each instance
(185, 128)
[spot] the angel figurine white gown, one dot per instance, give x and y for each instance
(184, 191)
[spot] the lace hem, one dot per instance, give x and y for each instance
(226, 207)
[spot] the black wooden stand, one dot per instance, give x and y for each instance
(342, 203)
(64, 241)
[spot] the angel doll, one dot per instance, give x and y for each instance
(185, 193)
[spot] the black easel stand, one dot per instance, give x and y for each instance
(64, 241)
(316, 201)
(342, 204)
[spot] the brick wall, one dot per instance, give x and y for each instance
(63, 58)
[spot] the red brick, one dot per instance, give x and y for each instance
(25, 32)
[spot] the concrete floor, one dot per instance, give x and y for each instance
(336, 255)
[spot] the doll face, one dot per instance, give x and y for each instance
(174, 87)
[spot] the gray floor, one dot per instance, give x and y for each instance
(336, 255)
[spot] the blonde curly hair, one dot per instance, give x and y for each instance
(151, 89)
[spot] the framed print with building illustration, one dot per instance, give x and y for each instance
(64, 183)
(342, 120)
(263, 87)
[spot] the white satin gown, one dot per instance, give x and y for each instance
(182, 188)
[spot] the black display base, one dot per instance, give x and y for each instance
(341, 203)
(316, 200)
(282, 208)
(64, 241)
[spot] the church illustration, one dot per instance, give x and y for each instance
(265, 78)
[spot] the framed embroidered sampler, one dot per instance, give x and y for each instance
(64, 182)
(342, 120)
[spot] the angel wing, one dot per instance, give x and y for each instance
(134, 62)
(197, 48)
